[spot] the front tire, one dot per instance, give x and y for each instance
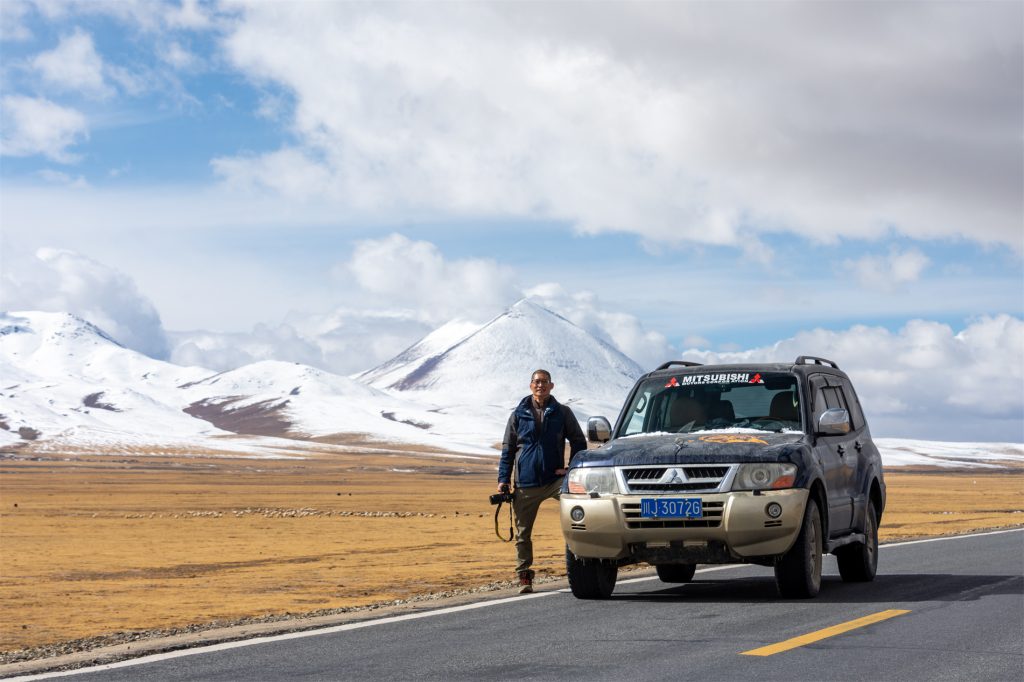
(858, 562)
(798, 572)
(676, 573)
(590, 578)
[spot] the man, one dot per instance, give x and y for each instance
(534, 445)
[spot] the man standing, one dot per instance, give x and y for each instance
(534, 445)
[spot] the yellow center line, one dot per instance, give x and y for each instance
(819, 635)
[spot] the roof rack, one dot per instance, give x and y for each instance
(684, 363)
(811, 360)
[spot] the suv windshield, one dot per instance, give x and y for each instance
(685, 403)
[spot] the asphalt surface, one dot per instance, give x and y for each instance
(965, 621)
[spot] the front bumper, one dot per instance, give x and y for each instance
(735, 527)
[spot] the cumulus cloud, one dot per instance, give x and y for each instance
(343, 341)
(35, 125)
(925, 380)
(224, 351)
(64, 281)
(854, 119)
(416, 275)
(74, 65)
(889, 272)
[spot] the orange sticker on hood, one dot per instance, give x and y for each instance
(732, 438)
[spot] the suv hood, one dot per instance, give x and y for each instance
(711, 447)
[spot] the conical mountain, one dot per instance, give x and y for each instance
(491, 367)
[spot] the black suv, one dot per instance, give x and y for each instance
(770, 464)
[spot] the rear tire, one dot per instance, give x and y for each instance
(676, 573)
(798, 573)
(590, 578)
(858, 562)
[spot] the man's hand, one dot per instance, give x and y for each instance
(560, 472)
(503, 487)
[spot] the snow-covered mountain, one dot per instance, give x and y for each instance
(66, 385)
(63, 378)
(60, 374)
(489, 368)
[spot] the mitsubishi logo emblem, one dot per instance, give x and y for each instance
(673, 475)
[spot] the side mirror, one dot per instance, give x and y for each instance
(834, 421)
(599, 430)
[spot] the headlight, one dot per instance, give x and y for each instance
(585, 480)
(764, 476)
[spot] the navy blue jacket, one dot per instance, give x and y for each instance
(536, 453)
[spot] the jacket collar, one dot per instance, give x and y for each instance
(527, 404)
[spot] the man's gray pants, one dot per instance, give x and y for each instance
(525, 505)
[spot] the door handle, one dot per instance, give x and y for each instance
(841, 449)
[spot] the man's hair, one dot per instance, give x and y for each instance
(540, 371)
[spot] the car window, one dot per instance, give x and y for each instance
(699, 402)
(818, 402)
(853, 404)
(834, 397)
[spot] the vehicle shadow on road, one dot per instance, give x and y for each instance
(915, 587)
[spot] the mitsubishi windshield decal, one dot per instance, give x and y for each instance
(731, 378)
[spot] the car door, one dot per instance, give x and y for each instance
(856, 457)
(831, 451)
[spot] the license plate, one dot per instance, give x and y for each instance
(671, 507)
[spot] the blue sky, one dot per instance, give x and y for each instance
(671, 176)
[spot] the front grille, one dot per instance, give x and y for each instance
(712, 517)
(671, 479)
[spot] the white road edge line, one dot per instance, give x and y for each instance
(153, 658)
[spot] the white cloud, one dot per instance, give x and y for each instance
(12, 20)
(190, 14)
(678, 121)
(58, 178)
(343, 341)
(289, 171)
(73, 66)
(926, 380)
(38, 126)
(416, 275)
(224, 351)
(889, 272)
(178, 56)
(64, 281)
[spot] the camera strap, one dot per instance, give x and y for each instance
(511, 534)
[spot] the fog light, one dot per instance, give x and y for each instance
(577, 514)
(773, 510)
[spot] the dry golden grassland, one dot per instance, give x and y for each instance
(95, 545)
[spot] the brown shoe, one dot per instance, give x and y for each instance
(525, 582)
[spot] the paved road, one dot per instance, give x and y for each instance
(964, 599)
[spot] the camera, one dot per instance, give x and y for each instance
(498, 498)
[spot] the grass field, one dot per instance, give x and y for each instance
(94, 545)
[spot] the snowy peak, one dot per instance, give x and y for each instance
(24, 333)
(492, 366)
(434, 343)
